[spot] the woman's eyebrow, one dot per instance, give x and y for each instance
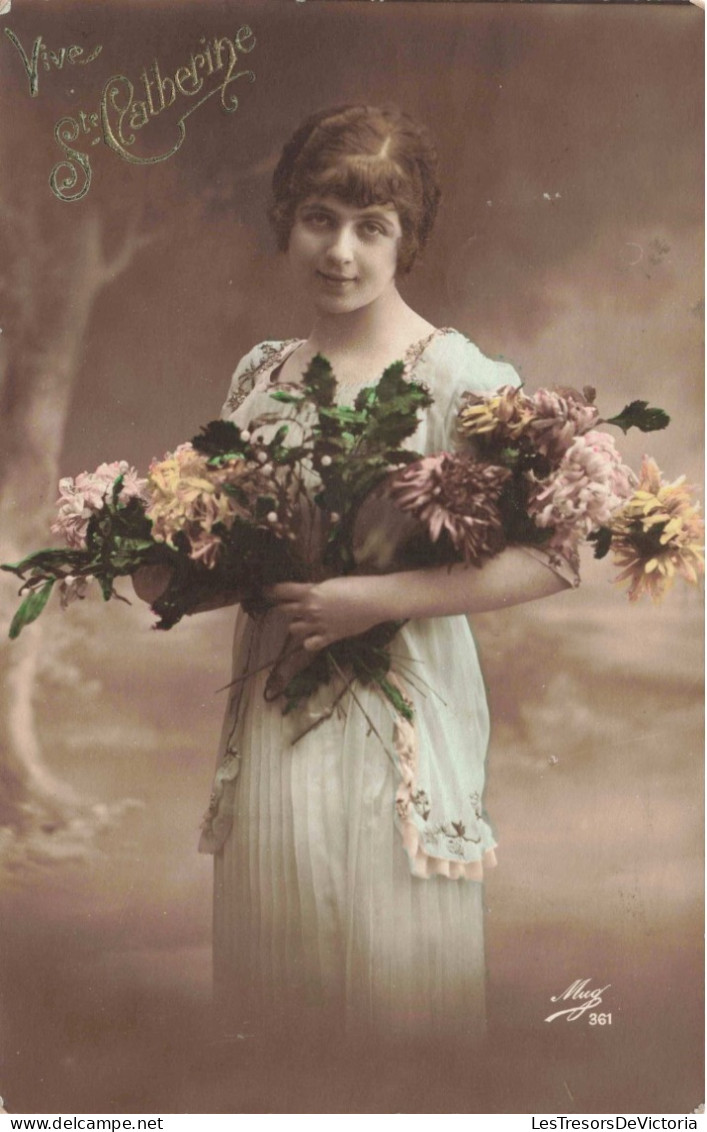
(371, 213)
(377, 214)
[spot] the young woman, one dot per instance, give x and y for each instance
(348, 891)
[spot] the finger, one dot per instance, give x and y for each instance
(292, 609)
(300, 629)
(315, 643)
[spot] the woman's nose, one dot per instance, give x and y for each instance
(341, 247)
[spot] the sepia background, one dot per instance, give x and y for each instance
(570, 243)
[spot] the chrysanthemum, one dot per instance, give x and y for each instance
(546, 423)
(184, 496)
(588, 487)
(84, 496)
(657, 535)
(457, 495)
(191, 496)
(502, 417)
(559, 415)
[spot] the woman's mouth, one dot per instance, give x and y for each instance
(336, 280)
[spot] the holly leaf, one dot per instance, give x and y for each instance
(638, 414)
(319, 381)
(217, 438)
(30, 609)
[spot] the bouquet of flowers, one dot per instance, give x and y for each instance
(236, 510)
(331, 490)
(537, 471)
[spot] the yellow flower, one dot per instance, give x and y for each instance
(184, 494)
(658, 535)
(508, 413)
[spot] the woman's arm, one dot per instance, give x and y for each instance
(344, 607)
(150, 582)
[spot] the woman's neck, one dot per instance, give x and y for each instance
(386, 319)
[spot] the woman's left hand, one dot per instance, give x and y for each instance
(323, 612)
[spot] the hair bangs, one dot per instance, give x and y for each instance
(363, 180)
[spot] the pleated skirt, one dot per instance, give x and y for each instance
(319, 925)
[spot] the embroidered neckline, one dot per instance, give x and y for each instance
(410, 358)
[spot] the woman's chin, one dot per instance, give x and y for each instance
(337, 304)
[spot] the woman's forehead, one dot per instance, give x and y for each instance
(343, 208)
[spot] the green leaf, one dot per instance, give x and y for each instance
(286, 398)
(509, 457)
(399, 703)
(218, 438)
(30, 609)
(602, 538)
(638, 414)
(319, 381)
(105, 581)
(117, 488)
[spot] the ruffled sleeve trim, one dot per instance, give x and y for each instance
(412, 806)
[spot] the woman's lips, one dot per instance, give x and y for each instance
(336, 280)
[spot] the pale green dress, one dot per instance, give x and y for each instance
(348, 890)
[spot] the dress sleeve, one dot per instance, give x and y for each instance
(468, 370)
(244, 378)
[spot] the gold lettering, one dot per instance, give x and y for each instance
(185, 73)
(163, 84)
(244, 33)
(121, 113)
(116, 140)
(148, 91)
(67, 130)
(29, 66)
(232, 103)
(139, 116)
(207, 53)
(94, 55)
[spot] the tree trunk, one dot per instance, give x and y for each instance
(40, 816)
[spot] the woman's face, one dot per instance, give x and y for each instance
(343, 256)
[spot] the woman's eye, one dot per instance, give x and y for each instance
(372, 229)
(317, 219)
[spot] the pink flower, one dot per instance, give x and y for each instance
(590, 484)
(456, 495)
(84, 496)
(546, 422)
(559, 415)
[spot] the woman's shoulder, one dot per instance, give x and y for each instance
(460, 366)
(260, 359)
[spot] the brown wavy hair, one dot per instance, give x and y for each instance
(364, 155)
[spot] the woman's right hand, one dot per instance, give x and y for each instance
(150, 582)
